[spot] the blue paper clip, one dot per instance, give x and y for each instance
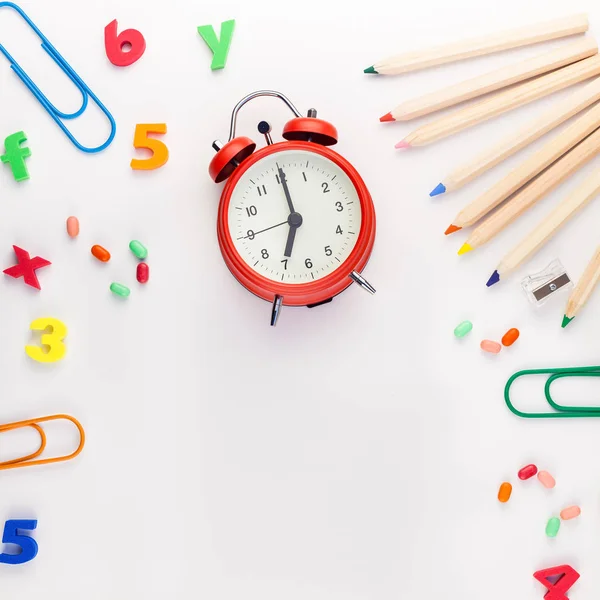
(56, 114)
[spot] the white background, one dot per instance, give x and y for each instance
(353, 452)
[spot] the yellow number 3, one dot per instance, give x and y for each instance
(53, 340)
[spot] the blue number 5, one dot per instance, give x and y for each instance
(28, 545)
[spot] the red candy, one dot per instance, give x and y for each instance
(114, 45)
(143, 273)
(527, 472)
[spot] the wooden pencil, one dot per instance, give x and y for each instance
(583, 290)
(550, 179)
(585, 192)
(525, 172)
(576, 102)
(495, 80)
(480, 46)
(502, 102)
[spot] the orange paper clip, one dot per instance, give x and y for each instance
(28, 460)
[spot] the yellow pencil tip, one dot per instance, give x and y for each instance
(465, 248)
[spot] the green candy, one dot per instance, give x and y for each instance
(138, 249)
(463, 328)
(552, 527)
(120, 290)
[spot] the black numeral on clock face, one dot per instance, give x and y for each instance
(339, 230)
(338, 206)
(325, 187)
(264, 253)
(328, 251)
(251, 211)
(264, 190)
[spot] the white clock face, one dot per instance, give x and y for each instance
(300, 236)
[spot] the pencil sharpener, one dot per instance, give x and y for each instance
(538, 287)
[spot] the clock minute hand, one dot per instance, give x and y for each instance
(286, 189)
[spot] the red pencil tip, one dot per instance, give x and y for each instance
(387, 117)
(452, 229)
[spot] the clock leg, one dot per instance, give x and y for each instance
(364, 284)
(277, 304)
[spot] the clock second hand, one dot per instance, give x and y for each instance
(255, 233)
(294, 219)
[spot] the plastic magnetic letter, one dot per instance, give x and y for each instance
(27, 544)
(53, 340)
(114, 45)
(26, 267)
(15, 155)
(558, 581)
(160, 152)
(220, 46)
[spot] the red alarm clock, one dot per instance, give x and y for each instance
(296, 223)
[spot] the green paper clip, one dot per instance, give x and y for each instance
(560, 411)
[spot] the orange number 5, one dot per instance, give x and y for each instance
(160, 152)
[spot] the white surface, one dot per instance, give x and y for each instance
(355, 451)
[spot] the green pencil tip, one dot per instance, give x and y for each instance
(566, 321)
(370, 70)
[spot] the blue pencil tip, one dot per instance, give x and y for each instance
(495, 278)
(440, 189)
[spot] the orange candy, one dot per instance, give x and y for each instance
(510, 337)
(102, 254)
(504, 492)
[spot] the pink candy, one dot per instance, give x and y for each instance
(546, 479)
(571, 512)
(490, 346)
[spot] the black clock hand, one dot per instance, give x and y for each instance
(294, 220)
(286, 189)
(290, 242)
(255, 233)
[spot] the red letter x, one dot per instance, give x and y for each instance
(26, 267)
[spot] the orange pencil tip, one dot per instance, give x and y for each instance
(452, 229)
(402, 145)
(387, 117)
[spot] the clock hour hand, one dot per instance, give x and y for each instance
(294, 221)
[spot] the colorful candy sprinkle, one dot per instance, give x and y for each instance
(490, 346)
(572, 512)
(546, 479)
(73, 227)
(504, 492)
(120, 290)
(510, 337)
(143, 273)
(463, 328)
(527, 472)
(102, 254)
(138, 249)
(552, 527)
